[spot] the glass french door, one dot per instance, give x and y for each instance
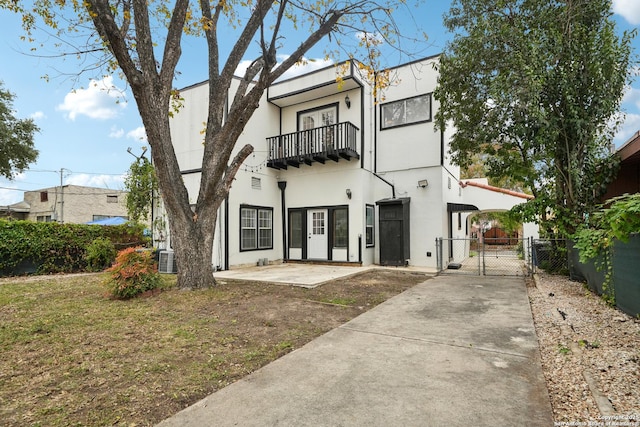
(317, 133)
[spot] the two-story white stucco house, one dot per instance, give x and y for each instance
(336, 174)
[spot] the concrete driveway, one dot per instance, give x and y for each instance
(452, 351)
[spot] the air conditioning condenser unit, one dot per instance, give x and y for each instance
(167, 262)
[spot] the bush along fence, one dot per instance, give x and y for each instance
(615, 277)
(608, 256)
(47, 247)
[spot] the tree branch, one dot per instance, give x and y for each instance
(172, 49)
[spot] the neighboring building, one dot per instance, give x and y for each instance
(628, 178)
(68, 204)
(336, 175)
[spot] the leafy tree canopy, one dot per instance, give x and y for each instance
(143, 40)
(16, 138)
(535, 86)
(141, 183)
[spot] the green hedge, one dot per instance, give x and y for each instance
(49, 247)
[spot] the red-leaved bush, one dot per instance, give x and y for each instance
(133, 273)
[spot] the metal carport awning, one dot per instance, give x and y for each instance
(460, 207)
(456, 207)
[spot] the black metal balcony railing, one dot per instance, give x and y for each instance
(320, 144)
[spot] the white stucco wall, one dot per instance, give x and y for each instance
(402, 156)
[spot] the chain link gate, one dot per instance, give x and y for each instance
(490, 257)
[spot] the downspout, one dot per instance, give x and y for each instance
(393, 188)
(285, 250)
(362, 118)
(226, 233)
(153, 199)
(375, 128)
(226, 203)
(450, 227)
(441, 147)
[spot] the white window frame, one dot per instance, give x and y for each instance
(257, 222)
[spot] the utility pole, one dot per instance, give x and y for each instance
(61, 219)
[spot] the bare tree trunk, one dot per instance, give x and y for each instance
(192, 232)
(193, 247)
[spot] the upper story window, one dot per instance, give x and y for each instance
(406, 112)
(44, 196)
(112, 199)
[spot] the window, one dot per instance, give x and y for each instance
(340, 228)
(265, 228)
(295, 229)
(369, 225)
(321, 119)
(44, 196)
(317, 223)
(44, 218)
(406, 112)
(256, 228)
(112, 199)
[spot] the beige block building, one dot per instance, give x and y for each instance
(69, 204)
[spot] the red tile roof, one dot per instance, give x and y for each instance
(496, 189)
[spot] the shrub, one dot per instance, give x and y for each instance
(49, 247)
(101, 253)
(595, 240)
(133, 273)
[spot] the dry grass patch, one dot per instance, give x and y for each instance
(71, 356)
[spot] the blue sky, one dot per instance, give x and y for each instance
(87, 125)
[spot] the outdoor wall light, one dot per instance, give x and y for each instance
(423, 183)
(347, 101)
(349, 193)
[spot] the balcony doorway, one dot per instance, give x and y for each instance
(317, 133)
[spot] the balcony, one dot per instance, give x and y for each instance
(318, 145)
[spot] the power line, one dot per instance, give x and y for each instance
(74, 172)
(67, 192)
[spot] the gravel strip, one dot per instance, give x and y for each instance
(590, 354)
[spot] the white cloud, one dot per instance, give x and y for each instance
(116, 132)
(139, 134)
(115, 182)
(9, 194)
(631, 96)
(100, 100)
(305, 66)
(629, 126)
(38, 115)
(628, 9)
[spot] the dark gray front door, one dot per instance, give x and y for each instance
(391, 242)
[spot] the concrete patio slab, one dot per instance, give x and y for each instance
(306, 275)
